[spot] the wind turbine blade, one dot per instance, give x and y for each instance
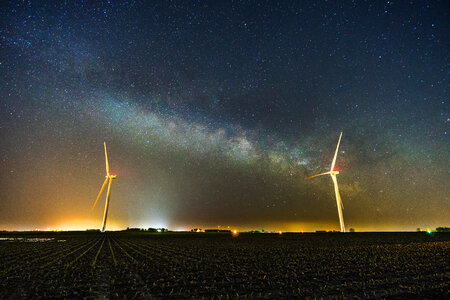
(105, 215)
(101, 191)
(106, 158)
(335, 154)
(336, 189)
(339, 203)
(326, 173)
(109, 191)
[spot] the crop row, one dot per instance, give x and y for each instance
(234, 269)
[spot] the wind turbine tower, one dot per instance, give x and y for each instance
(333, 174)
(109, 179)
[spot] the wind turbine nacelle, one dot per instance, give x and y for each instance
(111, 176)
(334, 172)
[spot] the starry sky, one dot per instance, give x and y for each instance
(216, 112)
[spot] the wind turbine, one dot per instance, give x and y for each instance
(333, 174)
(109, 179)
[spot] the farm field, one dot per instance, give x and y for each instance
(119, 265)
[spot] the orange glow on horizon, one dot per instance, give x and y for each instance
(84, 224)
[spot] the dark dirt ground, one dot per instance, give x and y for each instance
(222, 266)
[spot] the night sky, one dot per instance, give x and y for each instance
(216, 112)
